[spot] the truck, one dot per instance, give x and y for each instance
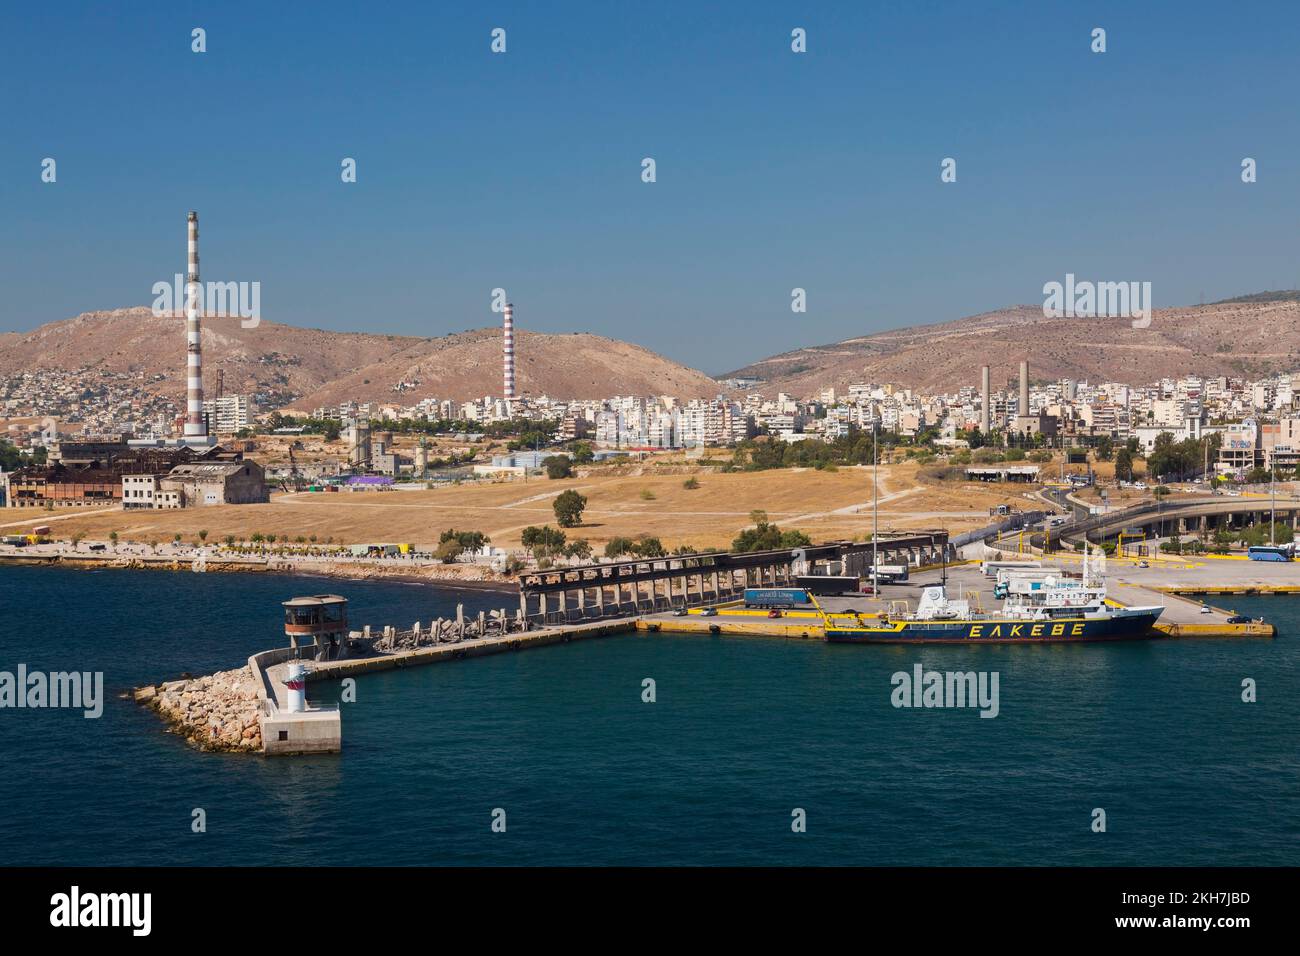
(767, 598)
(889, 573)
(990, 569)
(829, 583)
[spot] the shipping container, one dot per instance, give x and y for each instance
(776, 597)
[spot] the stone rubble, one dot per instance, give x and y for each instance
(218, 712)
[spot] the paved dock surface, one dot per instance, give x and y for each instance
(1126, 584)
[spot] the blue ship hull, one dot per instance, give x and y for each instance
(1124, 627)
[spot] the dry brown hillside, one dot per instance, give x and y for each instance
(313, 367)
(1226, 338)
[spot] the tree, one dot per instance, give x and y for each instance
(1105, 448)
(617, 547)
(543, 541)
(646, 546)
(691, 483)
(203, 536)
(448, 550)
(468, 540)
(568, 508)
(112, 537)
(578, 548)
(558, 466)
(1124, 464)
(768, 537)
(582, 453)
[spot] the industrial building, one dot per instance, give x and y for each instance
(139, 478)
(217, 483)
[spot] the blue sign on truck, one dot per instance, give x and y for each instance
(776, 597)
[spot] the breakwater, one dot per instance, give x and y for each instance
(219, 712)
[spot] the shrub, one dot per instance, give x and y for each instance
(558, 466)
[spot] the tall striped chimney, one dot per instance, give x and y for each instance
(194, 424)
(1024, 390)
(508, 356)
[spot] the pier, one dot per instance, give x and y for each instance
(690, 594)
(650, 585)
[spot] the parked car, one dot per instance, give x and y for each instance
(1205, 609)
(1144, 564)
(710, 612)
(679, 612)
(1239, 619)
(775, 612)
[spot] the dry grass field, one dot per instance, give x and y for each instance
(624, 501)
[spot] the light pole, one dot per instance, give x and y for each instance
(1272, 496)
(875, 514)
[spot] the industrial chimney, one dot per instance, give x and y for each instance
(508, 356)
(194, 424)
(1024, 389)
(984, 402)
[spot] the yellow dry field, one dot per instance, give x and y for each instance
(624, 502)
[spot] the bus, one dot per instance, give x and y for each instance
(1269, 552)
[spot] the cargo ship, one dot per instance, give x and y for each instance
(1039, 610)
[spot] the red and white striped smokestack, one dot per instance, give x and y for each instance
(194, 424)
(508, 356)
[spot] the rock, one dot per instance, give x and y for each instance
(145, 694)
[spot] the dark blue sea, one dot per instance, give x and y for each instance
(743, 731)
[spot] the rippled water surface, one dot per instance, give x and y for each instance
(743, 731)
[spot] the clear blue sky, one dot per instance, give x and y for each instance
(522, 170)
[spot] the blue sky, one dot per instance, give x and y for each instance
(522, 170)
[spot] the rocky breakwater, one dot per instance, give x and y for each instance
(218, 712)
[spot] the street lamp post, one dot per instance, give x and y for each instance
(875, 514)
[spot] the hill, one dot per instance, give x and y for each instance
(1247, 336)
(311, 367)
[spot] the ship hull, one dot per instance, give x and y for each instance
(1129, 625)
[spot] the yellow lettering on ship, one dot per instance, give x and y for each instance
(1036, 631)
(975, 630)
(997, 631)
(1058, 630)
(1077, 629)
(1015, 629)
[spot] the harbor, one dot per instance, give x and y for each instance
(567, 723)
(264, 706)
